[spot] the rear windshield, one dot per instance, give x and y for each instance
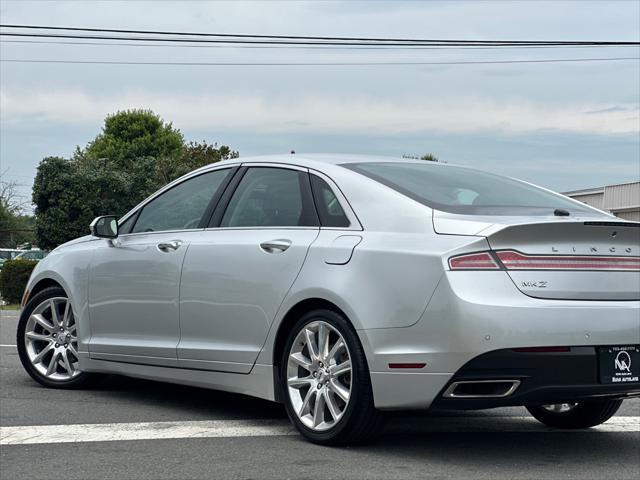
(464, 190)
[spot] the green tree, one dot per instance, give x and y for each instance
(14, 277)
(15, 226)
(135, 154)
(130, 135)
(429, 157)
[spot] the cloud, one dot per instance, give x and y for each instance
(321, 113)
(614, 109)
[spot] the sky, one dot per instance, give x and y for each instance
(564, 126)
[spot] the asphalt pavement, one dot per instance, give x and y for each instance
(135, 429)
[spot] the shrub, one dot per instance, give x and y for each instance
(13, 279)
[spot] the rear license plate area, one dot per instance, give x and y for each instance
(619, 364)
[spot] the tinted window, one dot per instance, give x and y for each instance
(329, 209)
(270, 197)
(464, 190)
(125, 227)
(181, 207)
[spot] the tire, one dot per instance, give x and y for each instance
(358, 420)
(64, 373)
(582, 415)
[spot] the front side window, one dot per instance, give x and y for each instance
(270, 197)
(125, 227)
(464, 190)
(181, 207)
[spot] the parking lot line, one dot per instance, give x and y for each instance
(105, 432)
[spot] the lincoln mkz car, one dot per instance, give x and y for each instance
(346, 286)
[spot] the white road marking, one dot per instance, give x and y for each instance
(106, 432)
(7, 345)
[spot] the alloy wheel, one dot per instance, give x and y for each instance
(51, 340)
(319, 376)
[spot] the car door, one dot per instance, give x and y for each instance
(237, 272)
(135, 279)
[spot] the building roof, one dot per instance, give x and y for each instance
(595, 190)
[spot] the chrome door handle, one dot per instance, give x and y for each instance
(275, 246)
(169, 246)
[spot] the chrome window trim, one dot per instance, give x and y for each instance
(262, 228)
(287, 166)
(355, 224)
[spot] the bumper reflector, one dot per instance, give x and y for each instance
(542, 349)
(407, 365)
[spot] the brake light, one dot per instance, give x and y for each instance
(473, 261)
(517, 261)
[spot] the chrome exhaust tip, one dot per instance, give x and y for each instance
(481, 389)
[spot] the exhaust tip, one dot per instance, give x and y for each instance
(481, 389)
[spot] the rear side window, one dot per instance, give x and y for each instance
(465, 190)
(271, 197)
(181, 207)
(329, 209)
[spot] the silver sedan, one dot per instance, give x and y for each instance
(343, 286)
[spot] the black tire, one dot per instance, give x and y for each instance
(361, 422)
(79, 380)
(583, 415)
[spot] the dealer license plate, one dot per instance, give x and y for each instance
(620, 364)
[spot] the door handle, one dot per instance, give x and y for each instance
(167, 247)
(275, 246)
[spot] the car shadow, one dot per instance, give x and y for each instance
(188, 399)
(437, 440)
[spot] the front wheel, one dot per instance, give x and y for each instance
(326, 383)
(47, 340)
(575, 415)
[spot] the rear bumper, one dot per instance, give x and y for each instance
(473, 313)
(542, 378)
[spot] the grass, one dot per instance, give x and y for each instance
(11, 306)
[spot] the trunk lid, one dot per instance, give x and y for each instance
(561, 258)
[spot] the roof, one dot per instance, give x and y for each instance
(312, 159)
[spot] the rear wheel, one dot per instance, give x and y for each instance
(575, 415)
(47, 340)
(326, 383)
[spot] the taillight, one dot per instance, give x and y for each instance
(512, 260)
(473, 261)
(517, 261)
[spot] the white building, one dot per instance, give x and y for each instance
(621, 200)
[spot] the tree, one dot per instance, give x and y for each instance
(135, 154)
(429, 157)
(130, 135)
(15, 226)
(68, 195)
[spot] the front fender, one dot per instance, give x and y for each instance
(69, 267)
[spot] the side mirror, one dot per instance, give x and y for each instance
(105, 227)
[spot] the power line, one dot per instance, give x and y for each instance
(303, 47)
(117, 35)
(307, 42)
(315, 64)
(317, 38)
(299, 42)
